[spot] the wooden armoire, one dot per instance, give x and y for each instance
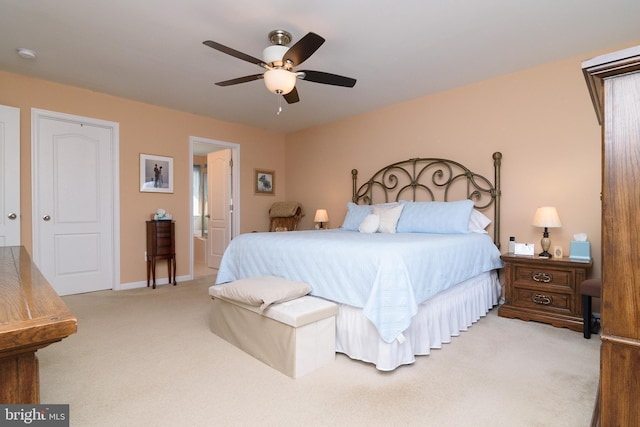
(614, 84)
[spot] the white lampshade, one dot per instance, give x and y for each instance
(321, 216)
(546, 216)
(280, 81)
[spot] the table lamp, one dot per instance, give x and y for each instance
(546, 217)
(321, 217)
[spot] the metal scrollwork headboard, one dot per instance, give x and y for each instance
(432, 179)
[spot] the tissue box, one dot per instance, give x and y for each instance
(580, 251)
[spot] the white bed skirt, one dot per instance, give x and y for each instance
(438, 319)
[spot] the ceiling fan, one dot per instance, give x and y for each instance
(279, 62)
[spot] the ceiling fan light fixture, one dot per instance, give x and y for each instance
(279, 62)
(279, 81)
(273, 54)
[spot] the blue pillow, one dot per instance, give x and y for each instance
(435, 217)
(355, 215)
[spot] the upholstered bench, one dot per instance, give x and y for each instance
(267, 318)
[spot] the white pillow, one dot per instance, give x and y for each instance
(369, 224)
(478, 222)
(389, 216)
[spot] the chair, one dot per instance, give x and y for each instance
(588, 289)
(285, 216)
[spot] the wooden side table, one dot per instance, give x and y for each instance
(32, 316)
(160, 245)
(544, 290)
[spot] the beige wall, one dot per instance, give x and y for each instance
(541, 119)
(152, 130)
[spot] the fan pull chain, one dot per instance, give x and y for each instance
(279, 105)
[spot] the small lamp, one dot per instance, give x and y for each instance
(321, 216)
(547, 217)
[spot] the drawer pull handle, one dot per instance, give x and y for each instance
(541, 299)
(541, 276)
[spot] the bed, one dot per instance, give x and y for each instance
(412, 265)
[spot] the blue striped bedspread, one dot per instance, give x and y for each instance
(387, 275)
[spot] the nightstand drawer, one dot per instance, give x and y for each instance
(542, 299)
(163, 229)
(164, 246)
(545, 276)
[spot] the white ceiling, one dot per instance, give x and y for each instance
(152, 51)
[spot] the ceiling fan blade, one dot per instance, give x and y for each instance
(328, 78)
(292, 97)
(241, 80)
(303, 49)
(233, 52)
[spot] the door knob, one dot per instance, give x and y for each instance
(12, 216)
(46, 217)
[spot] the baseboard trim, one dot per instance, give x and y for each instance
(143, 284)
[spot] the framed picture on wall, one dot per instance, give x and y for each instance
(156, 174)
(265, 182)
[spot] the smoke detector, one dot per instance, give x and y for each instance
(26, 53)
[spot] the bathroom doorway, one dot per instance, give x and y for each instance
(214, 202)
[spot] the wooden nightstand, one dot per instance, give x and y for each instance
(544, 290)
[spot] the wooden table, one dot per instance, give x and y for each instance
(544, 290)
(32, 316)
(161, 244)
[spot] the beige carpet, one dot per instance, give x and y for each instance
(147, 358)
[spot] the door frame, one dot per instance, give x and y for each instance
(36, 115)
(235, 188)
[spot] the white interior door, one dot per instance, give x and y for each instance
(74, 201)
(219, 205)
(9, 176)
